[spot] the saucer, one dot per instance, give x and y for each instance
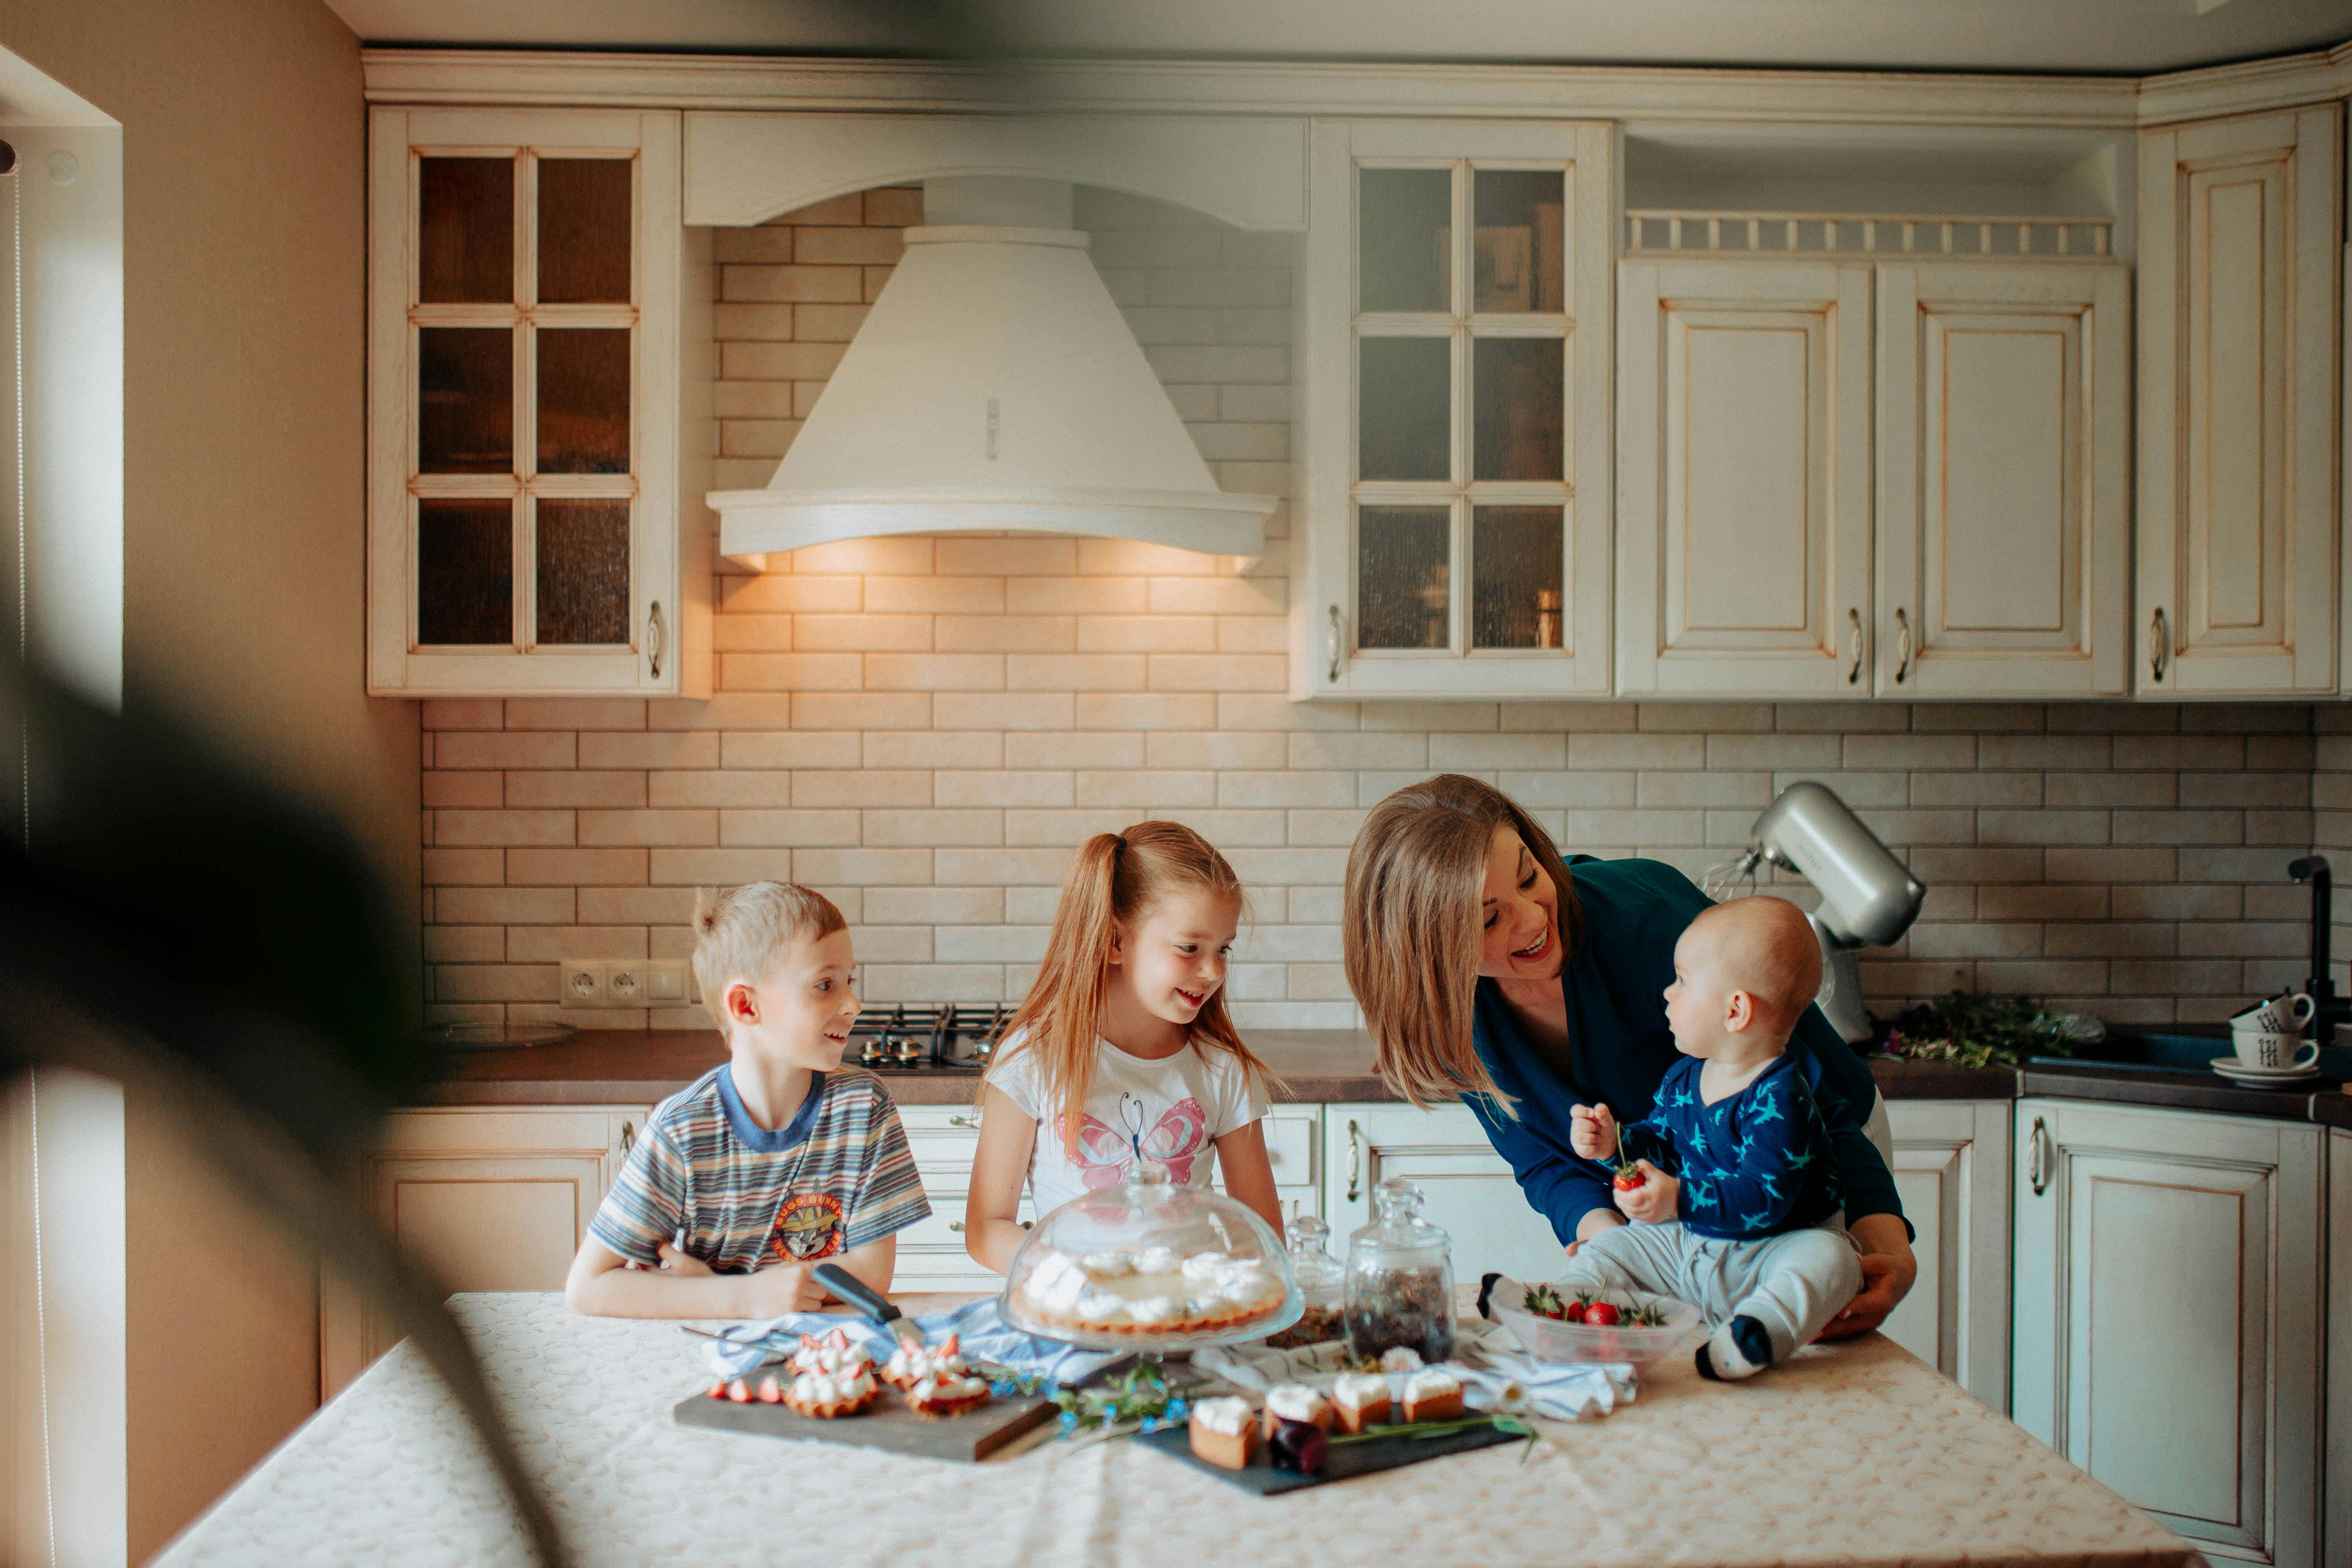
(2264, 1077)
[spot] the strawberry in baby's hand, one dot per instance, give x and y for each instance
(1629, 1175)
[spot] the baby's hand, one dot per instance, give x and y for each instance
(683, 1264)
(1592, 1131)
(1656, 1201)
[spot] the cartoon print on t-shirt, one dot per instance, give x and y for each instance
(1106, 1154)
(807, 1227)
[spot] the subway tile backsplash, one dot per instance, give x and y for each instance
(925, 727)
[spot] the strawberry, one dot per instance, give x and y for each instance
(739, 1391)
(1544, 1301)
(719, 1389)
(1600, 1315)
(1573, 1312)
(1629, 1176)
(768, 1392)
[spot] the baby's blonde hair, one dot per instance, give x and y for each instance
(739, 932)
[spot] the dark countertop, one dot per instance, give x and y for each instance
(639, 1067)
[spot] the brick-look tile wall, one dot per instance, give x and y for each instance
(923, 728)
(2331, 829)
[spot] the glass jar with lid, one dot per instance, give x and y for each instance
(1400, 1284)
(1322, 1285)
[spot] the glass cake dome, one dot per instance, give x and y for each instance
(1151, 1265)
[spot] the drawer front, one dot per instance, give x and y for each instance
(1290, 1148)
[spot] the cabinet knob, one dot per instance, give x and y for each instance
(2159, 645)
(1331, 641)
(2037, 1158)
(963, 1122)
(628, 1136)
(653, 639)
(1355, 1162)
(1853, 633)
(1902, 646)
(956, 1226)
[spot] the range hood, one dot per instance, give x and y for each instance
(994, 386)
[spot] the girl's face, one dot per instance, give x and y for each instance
(1521, 911)
(1172, 958)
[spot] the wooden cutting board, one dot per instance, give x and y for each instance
(887, 1424)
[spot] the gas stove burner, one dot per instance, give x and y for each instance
(909, 1037)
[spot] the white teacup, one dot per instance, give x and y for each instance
(2265, 1048)
(2285, 1013)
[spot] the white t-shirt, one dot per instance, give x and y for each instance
(1176, 1107)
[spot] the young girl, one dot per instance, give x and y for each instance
(1124, 1041)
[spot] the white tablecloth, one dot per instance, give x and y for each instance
(1852, 1454)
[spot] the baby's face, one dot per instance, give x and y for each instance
(1700, 996)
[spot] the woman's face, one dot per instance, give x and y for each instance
(1521, 911)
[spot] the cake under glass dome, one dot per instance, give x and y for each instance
(1150, 1264)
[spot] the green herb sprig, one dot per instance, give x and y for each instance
(1975, 1029)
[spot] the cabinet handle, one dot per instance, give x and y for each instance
(963, 1122)
(2037, 1163)
(1902, 646)
(1332, 646)
(1354, 1162)
(628, 1137)
(653, 639)
(956, 1226)
(2159, 645)
(1854, 630)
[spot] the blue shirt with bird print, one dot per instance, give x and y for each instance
(1755, 1164)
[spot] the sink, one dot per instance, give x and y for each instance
(2175, 1053)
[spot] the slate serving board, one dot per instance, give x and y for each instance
(887, 1425)
(1346, 1459)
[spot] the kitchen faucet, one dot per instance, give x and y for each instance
(2328, 1009)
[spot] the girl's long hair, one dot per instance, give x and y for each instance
(1117, 877)
(1410, 928)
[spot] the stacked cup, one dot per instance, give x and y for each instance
(2269, 1035)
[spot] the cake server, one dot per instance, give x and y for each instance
(876, 1307)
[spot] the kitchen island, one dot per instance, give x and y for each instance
(1852, 1454)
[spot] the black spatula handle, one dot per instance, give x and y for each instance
(857, 1292)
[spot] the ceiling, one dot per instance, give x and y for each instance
(2099, 36)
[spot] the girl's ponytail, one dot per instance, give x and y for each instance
(1115, 877)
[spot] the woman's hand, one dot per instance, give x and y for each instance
(1888, 1272)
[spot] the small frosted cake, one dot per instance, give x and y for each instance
(833, 1352)
(831, 1377)
(943, 1385)
(1224, 1432)
(1295, 1402)
(910, 1363)
(1432, 1395)
(1359, 1399)
(1151, 1291)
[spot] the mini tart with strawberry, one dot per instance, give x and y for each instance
(943, 1392)
(910, 1363)
(826, 1396)
(835, 1351)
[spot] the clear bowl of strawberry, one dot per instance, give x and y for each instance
(1553, 1323)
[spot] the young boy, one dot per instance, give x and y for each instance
(1736, 1207)
(742, 1181)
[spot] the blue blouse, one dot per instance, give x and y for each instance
(1751, 1165)
(1619, 1048)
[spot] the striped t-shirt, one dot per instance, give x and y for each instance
(836, 1177)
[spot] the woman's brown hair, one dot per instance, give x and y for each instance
(1117, 877)
(1411, 928)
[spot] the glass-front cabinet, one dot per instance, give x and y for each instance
(1457, 450)
(524, 401)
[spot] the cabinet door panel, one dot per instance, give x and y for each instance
(1468, 1188)
(2168, 1316)
(2003, 429)
(1744, 478)
(2238, 319)
(1951, 1169)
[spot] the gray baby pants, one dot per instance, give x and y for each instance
(1793, 1284)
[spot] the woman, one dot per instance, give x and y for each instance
(1489, 971)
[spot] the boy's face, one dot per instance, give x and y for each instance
(801, 1013)
(1699, 1002)
(1174, 957)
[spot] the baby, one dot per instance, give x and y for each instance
(1735, 1198)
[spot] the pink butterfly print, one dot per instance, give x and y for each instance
(1104, 1154)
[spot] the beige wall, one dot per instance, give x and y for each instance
(244, 313)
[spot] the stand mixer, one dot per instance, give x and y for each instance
(1868, 896)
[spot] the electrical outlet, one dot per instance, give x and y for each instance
(584, 984)
(666, 981)
(624, 983)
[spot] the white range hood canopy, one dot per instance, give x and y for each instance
(994, 386)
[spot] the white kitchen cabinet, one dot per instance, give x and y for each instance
(2004, 479)
(1952, 1169)
(2240, 314)
(482, 1199)
(538, 362)
(1744, 478)
(1454, 377)
(2167, 1330)
(1468, 1188)
(2336, 1480)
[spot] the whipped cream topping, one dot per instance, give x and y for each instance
(1295, 1402)
(1401, 1358)
(1206, 1267)
(1156, 1260)
(1225, 1417)
(835, 1354)
(943, 1386)
(1156, 1309)
(1107, 1265)
(1356, 1390)
(833, 1388)
(1431, 1383)
(912, 1363)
